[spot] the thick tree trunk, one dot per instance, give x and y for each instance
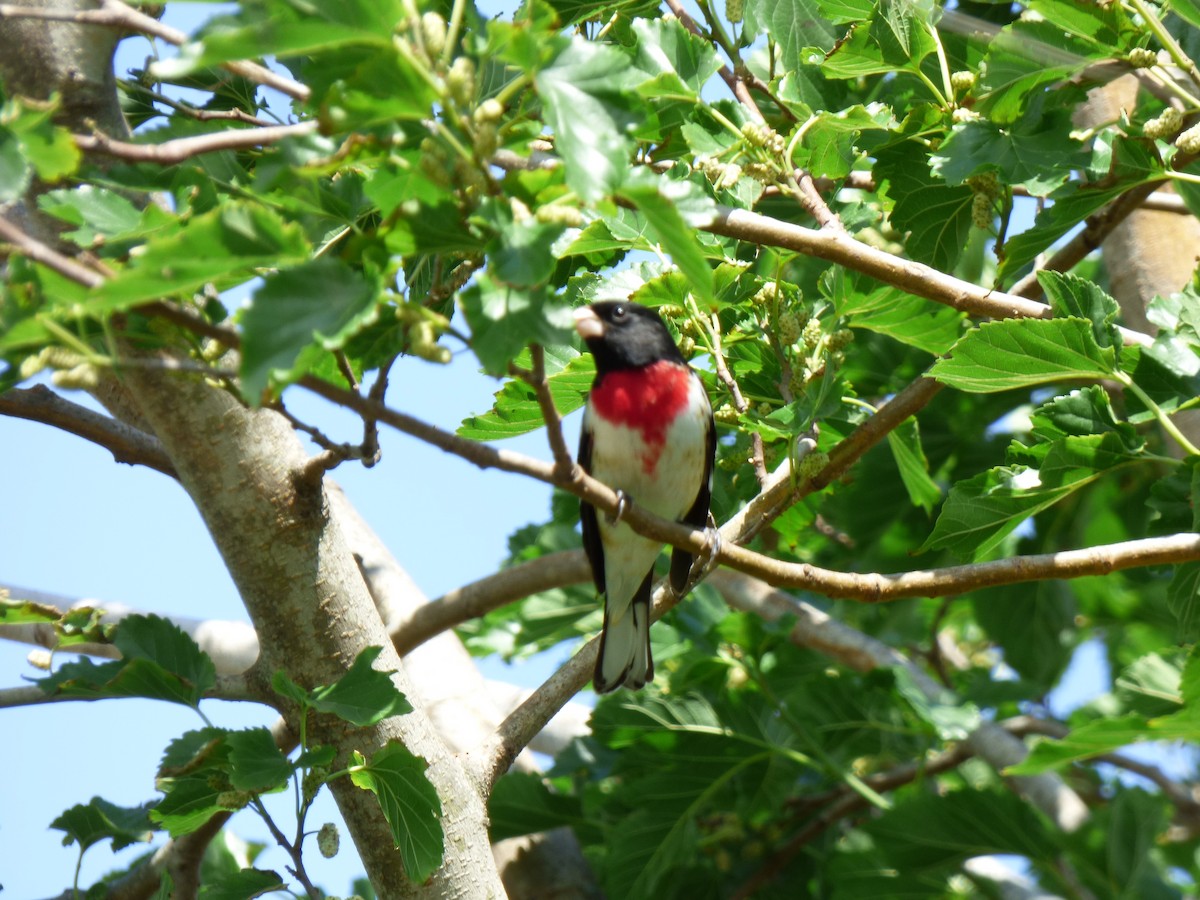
(243, 469)
(310, 606)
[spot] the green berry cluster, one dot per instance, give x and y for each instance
(962, 81)
(988, 191)
(1164, 125)
(1189, 141)
(328, 840)
(423, 327)
(1142, 58)
(733, 11)
(762, 136)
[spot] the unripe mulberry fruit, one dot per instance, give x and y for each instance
(787, 328)
(433, 32)
(1166, 124)
(328, 840)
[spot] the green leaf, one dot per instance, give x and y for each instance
(1028, 154)
(160, 662)
(256, 763)
(1033, 624)
(878, 307)
(665, 46)
(188, 803)
(364, 695)
(320, 303)
(225, 247)
(583, 91)
(905, 444)
(98, 214)
(956, 826)
(981, 511)
(1088, 740)
(516, 411)
(936, 215)
(98, 820)
(1151, 686)
(657, 202)
(1016, 353)
(409, 803)
(952, 718)
(1084, 411)
(1183, 599)
(1070, 295)
(243, 885)
(505, 319)
(794, 25)
(522, 803)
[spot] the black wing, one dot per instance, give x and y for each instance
(697, 516)
(587, 515)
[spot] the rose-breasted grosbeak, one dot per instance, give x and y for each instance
(647, 432)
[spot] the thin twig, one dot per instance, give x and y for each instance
(177, 150)
(35, 250)
(564, 462)
(126, 443)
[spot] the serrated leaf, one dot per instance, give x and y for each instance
(1070, 295)
(905, 444)
(256, 763)
(160, 662)
(1081, 412)
(364, 695)
(188, 803)
(522, 803)
(1016, 353)
(243, 885)
(516, 410)
(1034, 626)
(1183, 600)
(887, 310)
(89, 823)
(582, 91)
(665, 46)
(675, 233)
(409, 803)
(936, 215)
(794, 26)
(1029, 154)
(97, 213)
(224, 247)
(1088, 740)
(504, 319)
(981, 511)
(321, 303)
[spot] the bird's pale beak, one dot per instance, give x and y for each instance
(588, 324)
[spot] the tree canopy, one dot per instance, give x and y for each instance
(952, 380)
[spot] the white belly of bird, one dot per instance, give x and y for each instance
(667, 490)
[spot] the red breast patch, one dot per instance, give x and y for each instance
(646, 399)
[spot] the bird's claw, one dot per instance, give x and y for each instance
(706, 561)
(623, 502)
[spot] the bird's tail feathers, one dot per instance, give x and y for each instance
(624, 657)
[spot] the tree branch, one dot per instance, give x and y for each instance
(491, 592)
(126, 443)
(914, 277)
(177, 150)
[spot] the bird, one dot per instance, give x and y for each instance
(648, 434)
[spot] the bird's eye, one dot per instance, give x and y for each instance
(618, 313)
